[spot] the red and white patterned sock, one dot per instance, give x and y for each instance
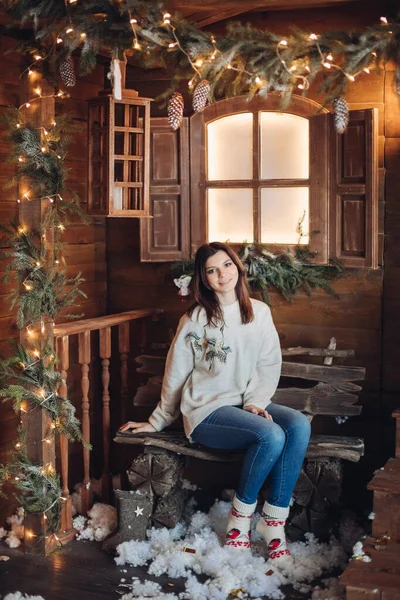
(271, 527)
(239, 521)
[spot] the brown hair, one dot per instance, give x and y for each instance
(205, 296)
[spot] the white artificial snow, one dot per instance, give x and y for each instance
(19, 596)
(15, 534)
(225, 568)
(358, 551)
(102, 521)
(186, 485)
(331, 590)
(148, 589)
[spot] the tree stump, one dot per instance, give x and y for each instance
(155, 472)
(169, 509)
(317, 493)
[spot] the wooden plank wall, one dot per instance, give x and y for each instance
(84, 244)
(355, 317)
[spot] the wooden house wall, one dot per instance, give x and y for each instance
(85, 248)
(360, 317)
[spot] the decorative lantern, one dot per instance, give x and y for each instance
(119, 149)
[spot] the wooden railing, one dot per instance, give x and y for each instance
(83, 330)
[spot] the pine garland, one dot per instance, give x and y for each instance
(288, 273)
(28, 378)
(244, 61)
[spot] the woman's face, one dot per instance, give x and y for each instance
(222, 275)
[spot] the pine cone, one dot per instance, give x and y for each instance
(201, 95)
(341, 114)
(67, 71)
(175, 110)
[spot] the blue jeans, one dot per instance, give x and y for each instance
(276, 448)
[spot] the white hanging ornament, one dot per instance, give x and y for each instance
(201, 95)
(67, 71)
(175, 110)
(183, 283)
(340, 114)
(116, 79)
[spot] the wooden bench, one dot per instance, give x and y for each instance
(321, 389)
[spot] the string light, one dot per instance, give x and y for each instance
(166, 18)
(384, 20)
(69, 30)
(83, 35)
(59, 40)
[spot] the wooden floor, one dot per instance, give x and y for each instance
(79, 571)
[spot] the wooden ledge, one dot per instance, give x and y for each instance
(388, 478)
(74, 327)
(321, 446)
(382, 574)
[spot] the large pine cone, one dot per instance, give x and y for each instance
(201, 95)
(175, 110)
(341, 114)
(67, 71)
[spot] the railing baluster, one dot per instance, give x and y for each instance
(63, 361)
(124, 347)
(105, 354)
(84, 361)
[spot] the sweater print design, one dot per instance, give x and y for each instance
(212, 347)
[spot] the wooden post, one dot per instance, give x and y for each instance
(124, 347)
(105, 353)
(35, 421)
(84, 360)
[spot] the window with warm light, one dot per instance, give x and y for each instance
(257, 178)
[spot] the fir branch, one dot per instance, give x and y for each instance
(287, 273)
(250, 51)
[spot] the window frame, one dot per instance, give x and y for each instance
(317, 182)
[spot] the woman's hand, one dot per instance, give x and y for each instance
(137, 427)
(258, 411)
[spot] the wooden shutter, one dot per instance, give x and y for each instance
(166, 236)
(353, 229)
(319, 187)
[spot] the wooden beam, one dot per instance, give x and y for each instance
(35, 421)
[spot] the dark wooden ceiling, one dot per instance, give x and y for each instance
(207, 12)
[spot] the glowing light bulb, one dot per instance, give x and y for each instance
(198, 62)
(329, 57)
(36, 352)
(384, 20)
(258, 80)
(366, 70)
(54, 123)
(27, 104)
(37, 57)
(21, 230)
(59, 40)
(43, 149)
(229, 67)
(16, 478)
(44, 517)
(38, 263)
(136, 45)
(300, 86)
(283, 43)
(57, 262)
(20, 159)
(69, 30)
(327, 65)
(313, 36)
(132, 21)
(18, 125)
(48, 441)
(83, 35)
(18, 445)
(30, 72)
(172, 45)
(27, 286)
(350, 77)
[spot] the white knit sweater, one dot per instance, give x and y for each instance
(209, 367)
